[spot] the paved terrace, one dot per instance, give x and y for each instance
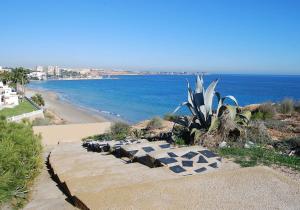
(99, 181)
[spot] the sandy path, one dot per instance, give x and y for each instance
(52, 134)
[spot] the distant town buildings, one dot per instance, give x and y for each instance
(37, 75)
(39, 68)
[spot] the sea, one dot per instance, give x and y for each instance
(140, 97)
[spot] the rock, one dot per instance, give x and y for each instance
(223, 144)
(249, 144)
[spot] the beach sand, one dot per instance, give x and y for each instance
(67, 111)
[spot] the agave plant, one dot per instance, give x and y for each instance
(200, 104)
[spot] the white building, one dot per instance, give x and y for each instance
(39, 68)
(37, 75)
(53, 71)
(50, 70)
(56, 71)
(8, 97)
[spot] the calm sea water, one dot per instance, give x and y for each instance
(136, 98)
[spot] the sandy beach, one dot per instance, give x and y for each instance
(68, 112)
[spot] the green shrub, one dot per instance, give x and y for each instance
(38, 99)
(181, 133)
(154, 123)
(286, 106)
(179, 141)
(264, 111)
(137, 133)
(20, 161)
(170, 117)
(120, 130)
(100, 137)
(257, 133)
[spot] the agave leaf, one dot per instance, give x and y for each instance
(244, 117)
(220, 102)
(232, 111)
(190, 107)
(232, 98)
(184, 121)
(214, 124)
(208, 97)
(199, 84)
(190, 94)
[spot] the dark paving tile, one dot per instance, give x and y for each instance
(199, 170)
(189, 155)
(208, 153)
(133, 152)
(202, 159)
(177, 169)
(171, 154)
(148, 149)
(187, 163)
(214, 165)
(167, 160)
(164, 146)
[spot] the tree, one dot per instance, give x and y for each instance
(19, 77)
(5, 76)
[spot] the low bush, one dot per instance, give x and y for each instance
(154, 123)
(181, 134)
(288, 146)
(286, 106)
(257, 133)
(38, 99)
(170, 117)
(179, 141)
(264, 111)
(100, 137)
(20, 161)
(120, 130)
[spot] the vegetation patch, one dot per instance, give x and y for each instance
(154, 123)
(38, 99)
(20, 161)
(118, 131)
(260, 156)
(264, 111)
(23, 107)
(286, 106)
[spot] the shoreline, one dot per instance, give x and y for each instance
(68, 112)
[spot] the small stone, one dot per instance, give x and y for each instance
(223, 144)
(249, 144)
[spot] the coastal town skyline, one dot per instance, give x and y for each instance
(257, 37)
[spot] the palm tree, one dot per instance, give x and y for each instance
(5, 77)
(19, 77)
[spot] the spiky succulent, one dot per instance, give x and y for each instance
(200, 103)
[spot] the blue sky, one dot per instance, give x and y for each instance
(223, 36)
